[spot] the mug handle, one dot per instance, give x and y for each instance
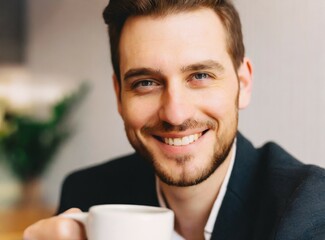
(79, 217)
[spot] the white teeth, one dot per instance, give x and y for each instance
(185, 140)
(177, 141)
(182, 141)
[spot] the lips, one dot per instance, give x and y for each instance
(181, 141)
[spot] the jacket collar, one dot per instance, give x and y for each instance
(235, 218)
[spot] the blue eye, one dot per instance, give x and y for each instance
(200, 76)
(145, 86)
(144, 83)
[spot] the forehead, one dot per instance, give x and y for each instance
(181, 38)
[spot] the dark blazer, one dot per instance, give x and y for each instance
(270, 194)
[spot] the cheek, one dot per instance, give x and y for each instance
(220, 104)
(136, 113)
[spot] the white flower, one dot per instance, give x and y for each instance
(31, 95)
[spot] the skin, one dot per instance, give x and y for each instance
(177, 81)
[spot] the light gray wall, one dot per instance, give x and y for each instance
(284, 39)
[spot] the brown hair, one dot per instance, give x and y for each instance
(117, 11)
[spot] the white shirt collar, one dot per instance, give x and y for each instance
(216, 206)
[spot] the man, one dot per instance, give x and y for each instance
(180, 79)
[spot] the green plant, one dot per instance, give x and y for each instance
(28, 145)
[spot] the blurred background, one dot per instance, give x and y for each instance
(55, 47)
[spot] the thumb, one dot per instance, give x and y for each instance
(71, 210)
(77, 228)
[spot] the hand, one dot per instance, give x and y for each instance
(56, 228)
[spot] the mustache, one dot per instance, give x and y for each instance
(163, 126)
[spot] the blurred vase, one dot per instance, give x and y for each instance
(31, 196)
(10, 188)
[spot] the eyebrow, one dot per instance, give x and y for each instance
(135, 72)
(204, 65)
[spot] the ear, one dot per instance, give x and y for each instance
(245, 76)
(117, 89)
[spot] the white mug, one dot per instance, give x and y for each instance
(126, 222)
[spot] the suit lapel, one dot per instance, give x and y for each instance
(235, 220)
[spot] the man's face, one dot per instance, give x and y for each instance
(179, 94)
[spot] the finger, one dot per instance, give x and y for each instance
(72, 210)
(56, 228)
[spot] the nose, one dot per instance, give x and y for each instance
(177, 105)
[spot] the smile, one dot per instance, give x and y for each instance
(181, 141)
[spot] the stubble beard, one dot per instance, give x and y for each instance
(221, 151)
(185, 179)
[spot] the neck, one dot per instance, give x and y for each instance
(192, 205)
